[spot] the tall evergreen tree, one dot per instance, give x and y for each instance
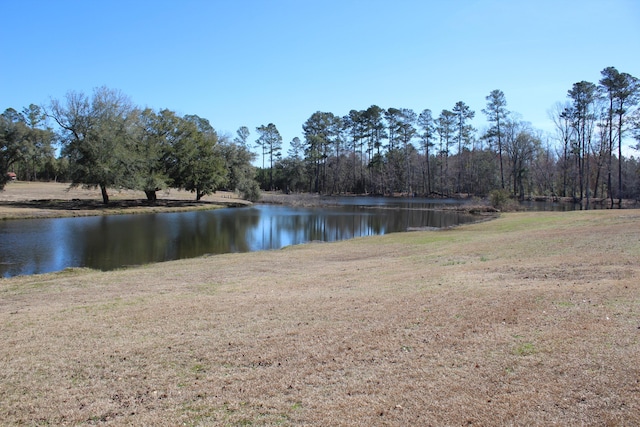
(623, 93)
(356, 128)
(464, 134)
(242, 137)
(583, 94)
(428, 127)
(376, 132)
(497, 113)
(271, 143)
(445, 127)
(319, 131)
(406, 132)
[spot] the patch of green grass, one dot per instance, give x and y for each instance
(106, 306)
(73, 271)
(198, 368)
(453, 262)
(23, 288)
(526, 221)
(525, 349)
(208, 288)
(564, 304)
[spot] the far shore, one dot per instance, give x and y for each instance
(27, 200)
(32, 200)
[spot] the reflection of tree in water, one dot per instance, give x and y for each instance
(143, 239)
(213, 232)
(113, 242)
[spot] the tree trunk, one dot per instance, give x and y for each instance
(151, 195)
(620, 162)
(105, 196)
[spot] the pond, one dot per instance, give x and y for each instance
(110, 242)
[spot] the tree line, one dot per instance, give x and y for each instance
(396, 150)
(107, 142)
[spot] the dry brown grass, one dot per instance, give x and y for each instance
(531, 319)
(21, 200)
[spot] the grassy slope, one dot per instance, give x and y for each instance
(531, 319)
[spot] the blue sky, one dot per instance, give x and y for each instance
(252, 62)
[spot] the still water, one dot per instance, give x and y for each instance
(110, 242)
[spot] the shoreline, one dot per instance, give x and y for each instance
(39, 200)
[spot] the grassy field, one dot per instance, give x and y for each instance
(529, 319)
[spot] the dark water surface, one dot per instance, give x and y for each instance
(109, 242)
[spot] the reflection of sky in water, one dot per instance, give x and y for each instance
(33, 246)
(109, 242)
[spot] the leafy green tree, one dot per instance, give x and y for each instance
(290, 171)
(291, 174)
(497, 113)
(95, 136)
(37, 144)
(195, 164)
(239, 169)
(154, 134)
(12, 136)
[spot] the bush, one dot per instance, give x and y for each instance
(250, 190)
(501, 200)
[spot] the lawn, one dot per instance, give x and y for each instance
(529, 319)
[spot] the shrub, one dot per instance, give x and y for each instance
(501, 199)
(250, 190)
